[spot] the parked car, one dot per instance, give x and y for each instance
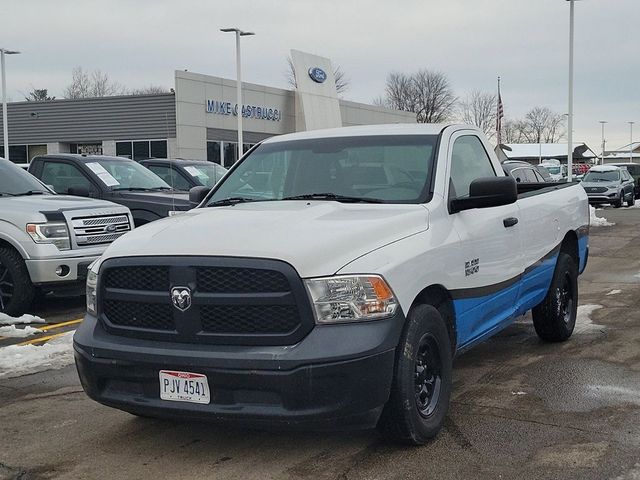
(117, 179)
(609, 184)
(557, 171)
(337, 292)
(634, 171)
(185, 174)
(47, 241)
(524, 172)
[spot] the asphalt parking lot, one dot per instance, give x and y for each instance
(521, 409)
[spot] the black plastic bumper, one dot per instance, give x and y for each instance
(339, 376)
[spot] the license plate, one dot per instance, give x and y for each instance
(184, 387)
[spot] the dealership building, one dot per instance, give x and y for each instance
(197, 120)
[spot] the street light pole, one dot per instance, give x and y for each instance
(631, 141)
(5, 123)
(239, 33)
(570, 118)
(603, 123)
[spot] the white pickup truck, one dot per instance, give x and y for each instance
(329, 279)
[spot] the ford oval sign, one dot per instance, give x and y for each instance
(317, 74)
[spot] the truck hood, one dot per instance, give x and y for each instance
(168, 199)
(35, 203)
(316, 237)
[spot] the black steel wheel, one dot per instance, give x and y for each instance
(555, 317)
(428, 375)
(421, 386)
(16, 289)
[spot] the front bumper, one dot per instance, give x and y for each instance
(338, 376)
(599, 198)
(43, 271)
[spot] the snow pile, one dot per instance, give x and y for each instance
(26, 318)
(584, 324)
(598, 221)
(614, 292)
(15, 332)
(17, 360)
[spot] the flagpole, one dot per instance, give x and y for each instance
(498, 116)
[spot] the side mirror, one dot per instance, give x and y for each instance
(487, 192)
(79, 191)
(197, 195)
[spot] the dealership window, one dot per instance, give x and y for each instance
(35, 150)
(214, 152)
(158, 149)
(124, 149)
(142, 149)
(17, 153)
(230, 153)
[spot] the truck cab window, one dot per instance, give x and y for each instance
(62, 176)
(469, 161)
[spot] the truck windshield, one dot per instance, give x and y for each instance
(385, 168)
(208, 175)
(610, 176)
(124, 174)
(15, 181)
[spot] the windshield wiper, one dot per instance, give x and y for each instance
(232, 201)
(134, 189)
(29, 192)
(333, 196)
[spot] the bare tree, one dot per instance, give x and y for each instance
(512, 131)
(480, 109)
(543, 125)
(38, 95)
(95, 84)
(428, 94)
(149, 90)
(342, 82)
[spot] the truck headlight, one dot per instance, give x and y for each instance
(351, 298)
(92, 289)
(53, 233)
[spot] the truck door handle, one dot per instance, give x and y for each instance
(509, 222)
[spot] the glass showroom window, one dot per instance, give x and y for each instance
(17, 153)
(214, 152)
(142, 149)
(230, 153)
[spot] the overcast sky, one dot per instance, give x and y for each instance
(142, 42)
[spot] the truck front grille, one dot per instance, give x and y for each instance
(249, 318)
(139, 315)
(99, 230)
(233, 300)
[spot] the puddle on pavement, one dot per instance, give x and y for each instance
(583, 385)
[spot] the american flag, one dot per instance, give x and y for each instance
(500, 115)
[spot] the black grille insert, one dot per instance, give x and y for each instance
(249, 319)
(235, 301)
(152, 316)
(138, 278)
(240, 280)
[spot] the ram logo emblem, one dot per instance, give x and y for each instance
(181, 298)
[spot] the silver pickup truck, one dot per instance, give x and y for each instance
(47, 241)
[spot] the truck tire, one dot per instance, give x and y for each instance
(16, 289)
(555, 317)
(422, 382)
(632, 200)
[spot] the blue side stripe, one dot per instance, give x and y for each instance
(478, 317)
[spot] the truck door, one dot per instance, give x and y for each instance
(487, 275)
